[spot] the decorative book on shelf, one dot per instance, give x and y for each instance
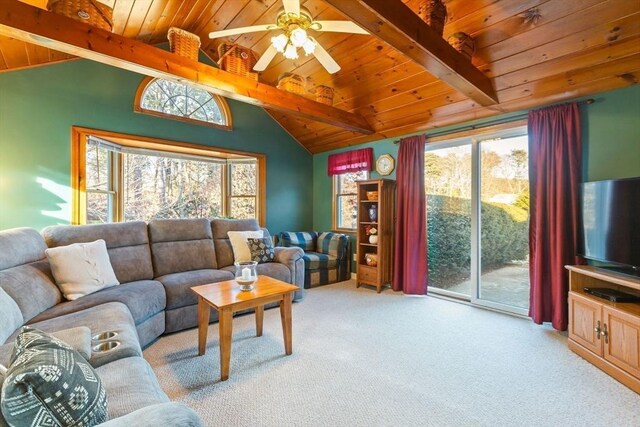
(375, 236)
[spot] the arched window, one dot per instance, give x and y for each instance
(166, 98)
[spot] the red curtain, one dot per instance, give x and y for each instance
(555, 151)
(351, 161)
(410, 256)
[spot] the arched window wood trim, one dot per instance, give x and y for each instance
(220, 102)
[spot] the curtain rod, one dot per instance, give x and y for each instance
(520, 116)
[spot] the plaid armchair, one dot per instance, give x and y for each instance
(326, 255)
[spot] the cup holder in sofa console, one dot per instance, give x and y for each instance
(104, 336)
(105, 346)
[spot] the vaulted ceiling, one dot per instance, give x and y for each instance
(576, 48)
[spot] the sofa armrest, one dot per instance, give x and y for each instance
(162, 414)
(291, 257)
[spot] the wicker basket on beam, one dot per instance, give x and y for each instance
(434, 13)
(463, 43)
(184, 43)
(90, 12)
(238, 60)
(292, 83)
(324, 94)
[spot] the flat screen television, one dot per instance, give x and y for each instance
(611, 223)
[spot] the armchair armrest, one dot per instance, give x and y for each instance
(162, 414)
(291, 257)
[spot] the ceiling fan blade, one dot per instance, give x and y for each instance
(265, 59)
(340, 27)
(325, 59)
(291, 6)
(241, 30)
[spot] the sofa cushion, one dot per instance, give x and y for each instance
(112, 316)
(49, 383)
(11, 316)
(316, 260)
(143, 298)
(130, 384)
(127, 244)
(179, 245)
(301, 239)
(24, 272)
(334, 244)
(221, 228)
(160, 414)
(271, 269)
(81, 268)
(177, 285)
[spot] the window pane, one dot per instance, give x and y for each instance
(243, 179)
(180, 100)
(347, 182)
(448, 188)
(99, 207)
(505, 221)
(97, 168)
(243, 207)
(347, 211)
(162, 187)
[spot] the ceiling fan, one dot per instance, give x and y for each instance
(294, 22)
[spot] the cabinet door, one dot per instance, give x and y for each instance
(584, 316)
(622, 346)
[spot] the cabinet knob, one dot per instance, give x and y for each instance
(605, 334)
(598, 330)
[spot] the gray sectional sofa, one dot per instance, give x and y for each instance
(156, 264)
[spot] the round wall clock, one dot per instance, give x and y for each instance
(385, 164)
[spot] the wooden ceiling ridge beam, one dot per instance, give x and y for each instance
(30, 24)
(396, 24)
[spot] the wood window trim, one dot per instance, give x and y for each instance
(79, 155)
(478, 131)
(221, 102)
(334, 208)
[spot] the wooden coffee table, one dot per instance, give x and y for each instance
(227, 298)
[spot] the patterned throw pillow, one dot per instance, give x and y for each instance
(261, 250)
(50, 384)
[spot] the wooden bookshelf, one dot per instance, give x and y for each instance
(380, 274)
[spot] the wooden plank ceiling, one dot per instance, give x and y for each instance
(576, 48)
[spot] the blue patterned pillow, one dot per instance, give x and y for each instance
(261, 249)
(50, 384)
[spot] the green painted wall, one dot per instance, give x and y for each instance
(38, 107)
(611, 138)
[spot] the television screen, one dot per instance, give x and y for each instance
(611, 221)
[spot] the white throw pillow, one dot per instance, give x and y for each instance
(81, 268)
(239, 244)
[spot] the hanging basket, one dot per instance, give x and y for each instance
(324, 94)
(90, 12)
(463, 43)
(291, 83)
(184, 43)
(434, 13)
(238, 60)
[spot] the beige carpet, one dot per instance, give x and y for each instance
(363, 359)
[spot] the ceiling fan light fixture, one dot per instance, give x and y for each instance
(280, 42)
(291, 52)
(309, 46)
(298, 37)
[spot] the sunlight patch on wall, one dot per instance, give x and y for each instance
(61, 191)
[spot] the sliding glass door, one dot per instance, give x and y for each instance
(477, 219)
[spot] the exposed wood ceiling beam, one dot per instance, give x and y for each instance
(395, 23)
(30, 24)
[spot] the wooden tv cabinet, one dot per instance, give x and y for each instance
(605, 333)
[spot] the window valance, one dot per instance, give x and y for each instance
(350, 161)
